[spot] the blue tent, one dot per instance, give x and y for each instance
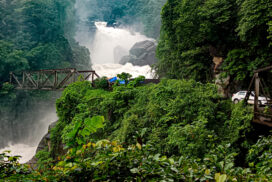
(113, 79)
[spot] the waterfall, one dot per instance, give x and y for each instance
(107, 39)
(109, 45)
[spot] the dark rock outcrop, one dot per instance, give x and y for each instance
(142, 53)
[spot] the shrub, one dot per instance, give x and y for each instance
(101, 83)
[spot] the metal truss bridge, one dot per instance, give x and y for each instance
(50, 79)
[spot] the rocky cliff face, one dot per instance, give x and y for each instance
(142, 53)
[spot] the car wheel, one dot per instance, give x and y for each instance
(260, 103)
(236, 101)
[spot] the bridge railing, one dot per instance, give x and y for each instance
(50, 79)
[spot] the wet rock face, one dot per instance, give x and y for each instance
(142, 53)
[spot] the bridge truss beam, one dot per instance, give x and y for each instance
(51, 79)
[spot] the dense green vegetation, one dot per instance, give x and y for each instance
(38, 34)
(195, 31)
(176, 130)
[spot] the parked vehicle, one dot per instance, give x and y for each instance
(237, 97)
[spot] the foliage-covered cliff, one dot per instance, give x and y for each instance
(195, 31)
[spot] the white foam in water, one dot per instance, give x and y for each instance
(25, 151)
(111, 70)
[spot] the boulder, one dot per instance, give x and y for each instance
(142, 53)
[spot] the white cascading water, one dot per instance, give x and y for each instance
(104, 56)
(106, 39)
